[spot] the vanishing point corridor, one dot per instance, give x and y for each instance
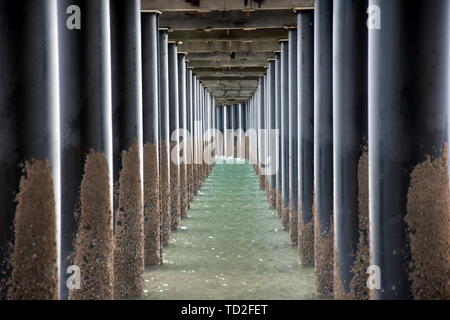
(231, 247)
(116, 118)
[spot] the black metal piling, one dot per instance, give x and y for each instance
(350, 149)
(228, 131)
(278, 122)
(221, 129)
(189, 128)
(284, 105)
(273, 143)
(260, 104)
(30, 179)
(233, 126)
(197, 135)
(204, 122)
(323, 147)
(408, 137)
(86, 150)
(184, 203)
(201, 142)
(237, 129)
(253, 133)
(174, 123)
(243, 128)
(204, 94)
(126, 62)
(306, 135)
(264, 136)
(164, 140)
(292, 105)
(150, 106)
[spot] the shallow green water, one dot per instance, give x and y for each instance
(230, 247)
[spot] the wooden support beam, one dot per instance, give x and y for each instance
(231, 93)
(234, 98)
(230, 86)
(236, 19)
(227, 63)
(243, 89)
(230, 70)
(203, 5)
(230, 46)
(220, 82)
(226, 89)
(215, 78)
(228, 35)
(228, 74)
(207, 56)
(226, 102)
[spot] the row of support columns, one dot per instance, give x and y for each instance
(229, 137)
(361, 108)
(95, 174)
(94, 181)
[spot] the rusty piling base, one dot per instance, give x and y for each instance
(272, 195)
(129, 229)
(428, 219)
(175, 198)
(293, 224)
(164, 185)
(94, 241)
(285, 218)
(191, 181)
(279, 205)
(306, 243)
(358, 284)
(184, 202)
(324, 258)
(34, 257)
(262, 182)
